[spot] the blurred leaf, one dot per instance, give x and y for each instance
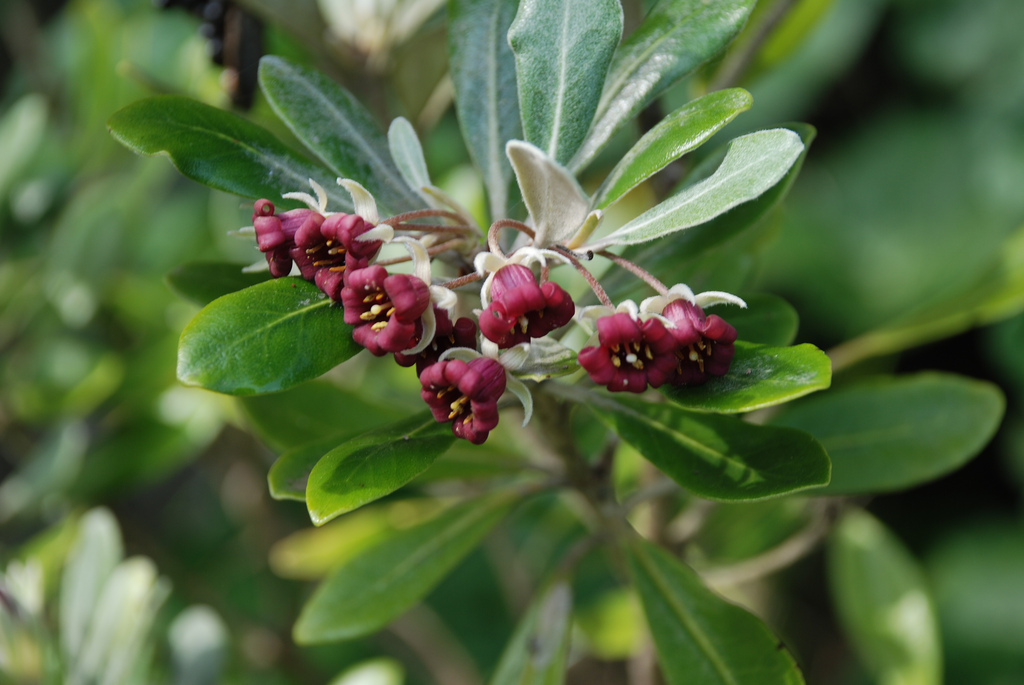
(759, 376)
(538, 652)
(613, 625)
(767, 320)
(42, 480)
(219, 149)
(199, 642)
(289, 473)
(791, 31)
(335, 127)
(265, 338)
(96, 552)
(975, 574)
(669, 259)
(700, 637)
(556, 203)
(21, 130)
(313, 411)
(204, 282)
(680, 132)
(376, 587)
(116, 641)
(892, 433)
(562, 52)
(484, 73)
(407, 154)
(373, 465)
(996, 295)
(754, 163)
(883, 602)
(716, 457)
(673, 40)
(372, 672)
(731, 533)
(312, 553)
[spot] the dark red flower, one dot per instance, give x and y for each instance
(466, 394)
(446, 336)
(385, 309)
(522, 309)
(276, 235)
(632, 354)
(704, 343)
(328, 250)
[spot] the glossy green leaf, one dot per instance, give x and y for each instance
(998, 294)
(680, 132)
(716, 457)
(483, 70)
(407, 153)
(335, 127)
(687, 250)
(289, 474)
(759, 376)
(753, 164)
(892, 433)
(538, 652)
(562, 52)
(700, 637)
(883, 602)
(263, 339)
(204, 282)
(375, 587)
(219, 149)
(312, 411)
(373, 465)
(767, 320)
(673, 40)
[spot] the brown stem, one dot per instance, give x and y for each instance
(492, 233)
(644, 275)
(433, 250)
(421, 214)
(461, 281)
(591, 281)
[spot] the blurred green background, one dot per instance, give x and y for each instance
(912, 195)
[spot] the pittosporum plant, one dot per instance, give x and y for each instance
(591, 324)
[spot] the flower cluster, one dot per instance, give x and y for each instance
(465, 366)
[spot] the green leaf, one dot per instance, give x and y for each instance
(555, 201)
(716, 457)
(373, 465)
(767, 320)
(675, 135)
(483, 71)
(538, 652)
(313, 411)
(263, 339)
(700, 637)
(377, 586)
(673, 40)
(219, 149)
(204, 282)
(407, 154)
(289, 473)
(753, 164)
(998, 294)
(562, 52)
(760, 376)
(336, 128)
(883, 602)
(547, 359)
(687, 250)
(892, 433)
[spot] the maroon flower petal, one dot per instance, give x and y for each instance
(704, 343)
(521, 309)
